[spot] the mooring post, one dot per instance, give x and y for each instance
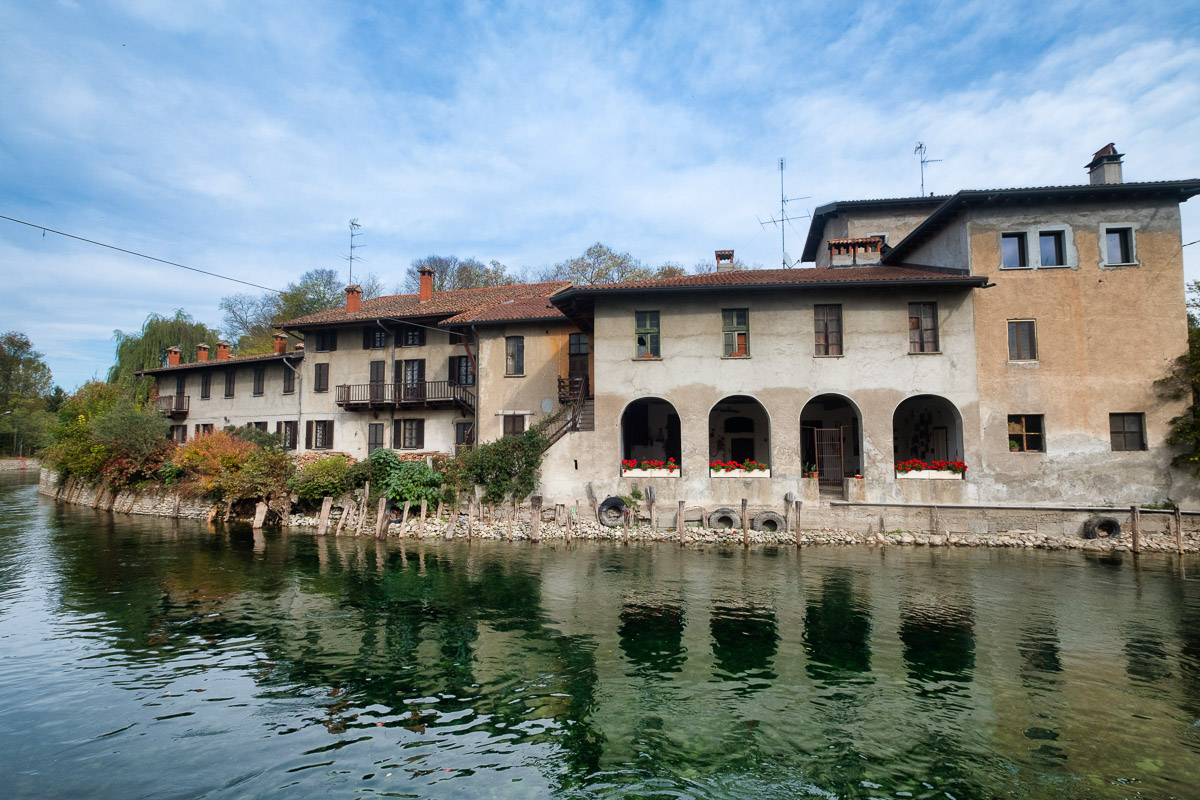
(260, 515)
(1135, 524)
(421, 521)
(799, 505)
(323, 522)
(627, 515)
(454, 515)
(512, 512)
(470, 514)
(381, 521)
(438, 514)
(788, 499)
(535, 518)
(347, 515)
(681, 524)
(404, 519)
(745, 524)
(366, 503)
(1178, 529)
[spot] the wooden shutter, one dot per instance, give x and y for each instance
(397, 434)
(333, 339)
(452, 371)
(420, 433)
(308, 433)
(329, 433)
(368, 337)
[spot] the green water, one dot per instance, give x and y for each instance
(151, 658)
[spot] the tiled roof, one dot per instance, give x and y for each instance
(529, 309)
(772, 277)
(442, 304)
(234, 360)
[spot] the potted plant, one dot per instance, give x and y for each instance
(810, 471)
(1013, 446)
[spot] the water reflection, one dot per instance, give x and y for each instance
(939, 639)
(745, 640)
(652, 637)
(837, 628)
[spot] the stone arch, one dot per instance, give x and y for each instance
(928, 427)
(650, 429)
(739, 429)
(831, 437)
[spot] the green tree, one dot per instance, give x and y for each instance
(451, 273)
(1183, 383)
(599, 264)
(23, 374)
(147, 348)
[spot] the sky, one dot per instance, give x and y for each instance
(242, 137)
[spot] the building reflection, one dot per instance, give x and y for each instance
(744, 641)
(837, 629)
(651, 636)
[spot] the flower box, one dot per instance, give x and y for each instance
(649, 473)
(739, 473)
(931, 474)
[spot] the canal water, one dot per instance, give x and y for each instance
(146, 658)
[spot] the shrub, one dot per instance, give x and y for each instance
(75, 453)
(508, 466)
(326, 477)
(263, 475)
(249, 433)
(212, 459)
(360, 472)
(405, 481)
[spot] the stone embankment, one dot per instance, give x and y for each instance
(18, 464)
(848, 524)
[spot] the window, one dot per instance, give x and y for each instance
(320, 377)
(262, 426)
(409, 434)
(514, 424)
(202, 428)
(1022, 340)
(230, 382)
(460, 371)
(412, 336)
(647, 337)
(286, 432)
(1012, 250)
(326, 341)
(464, 434)
(206, 386)
(735, 325)
(260, 379)
(1025, 433)
(922, 328)
(1128, 431)
(455, 337)
(1118, 245)
(289, 379)
(1050, 247)
(178, 433)
(827, 327)
(180, 384)
(374, 337)
(514, 355)
(318, 434)
(374, 436)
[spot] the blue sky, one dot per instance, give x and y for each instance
(240, 137)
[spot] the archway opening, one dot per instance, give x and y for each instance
(927, 427)
(739, 430)
(831, 439)
(650, 431)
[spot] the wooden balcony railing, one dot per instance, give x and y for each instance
(174, 406)
(393, 395)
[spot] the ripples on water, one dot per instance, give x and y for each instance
(149, 658)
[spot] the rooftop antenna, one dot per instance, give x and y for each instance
(354, 234)
(783, 217)
(920, 151)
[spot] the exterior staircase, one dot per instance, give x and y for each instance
(577, 410)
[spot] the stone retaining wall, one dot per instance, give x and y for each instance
(16, 464)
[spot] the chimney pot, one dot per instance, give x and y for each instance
(299, 348)
(724, 261)
(353, 298)
(222, 350)
(426, 284)
(280, 343)
(1105, 166)
(202, 352)
(173, 356)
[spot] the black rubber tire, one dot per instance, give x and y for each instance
(1101, 528)
(611, 512)
(716, 517)
(769, 522)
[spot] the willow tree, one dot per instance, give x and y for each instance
(147, 348)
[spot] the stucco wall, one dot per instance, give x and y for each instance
(534, 394)
(896, 223)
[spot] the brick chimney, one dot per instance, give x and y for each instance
(222, 350)
(299, 348)
(202, 352)
(353, 299)
(173, 356)
(1105, 166)
(280, 343)
(724, 261)
(426, 284)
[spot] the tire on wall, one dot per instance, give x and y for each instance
(724, 518)
(1101, 528)
(769, 522)
(611, 512)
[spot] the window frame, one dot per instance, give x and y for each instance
(412, 336)
(374, 337)
(322, 434)
(1059, 238)
(1024, 432)
(230, 383)
(289, 379)
(1014, 355)
(822, 331)
(260, 381)
(509, 424)
(205, 385)
(326, 341)
(1022, 240)
(920, 344)
(1127, 242)
(735, 336)
(374, 436)
(460, 372)
(642, 327)
(410, 434)
(321, 377)
(514, 356)
(1125, 432)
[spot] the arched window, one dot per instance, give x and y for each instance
(739, 430)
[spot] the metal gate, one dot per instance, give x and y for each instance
(828, 446)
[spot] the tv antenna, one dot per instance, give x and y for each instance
(354, 234)
(784, 219)
(920, 151)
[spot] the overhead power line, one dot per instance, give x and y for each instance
(139, 255)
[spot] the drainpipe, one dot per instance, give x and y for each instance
(299, 396)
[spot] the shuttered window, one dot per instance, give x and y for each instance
(922, 328)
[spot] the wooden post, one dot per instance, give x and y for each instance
(381, 521)
(229, 508)
(260, 514)
(323, 522)
(535, 518)
(745, 524)
(1178, 529)
(627, 515)
(470, 514)
(578, 521)
(788, 499)
(454, 515)
(366, 503)
(286, 512)
(347, 515)
(681, 524)
(799, 504)
(421, 521)
(438, 514)
(404, 519)
(512, 512)
(1135, 523)
(653, 515)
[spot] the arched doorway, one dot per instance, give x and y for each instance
(650, 430)
(927, 427)
(739, 430)
(831, 438)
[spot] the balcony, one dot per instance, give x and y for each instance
(427, 394)
(174, 406)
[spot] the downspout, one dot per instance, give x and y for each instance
(299, 397)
